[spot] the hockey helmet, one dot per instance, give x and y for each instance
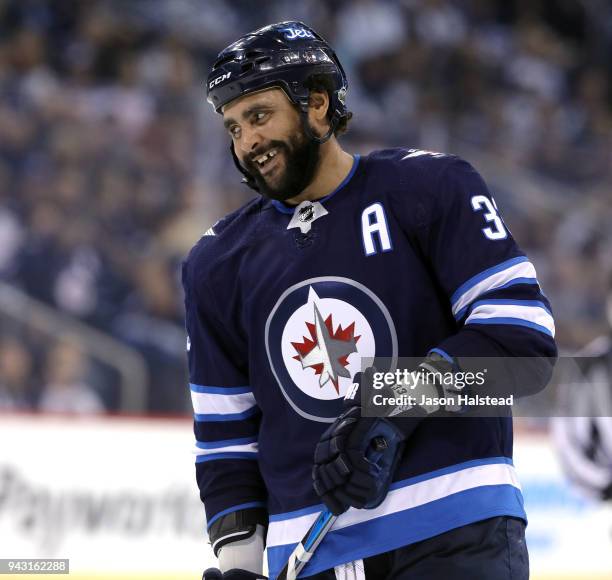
(285, 55)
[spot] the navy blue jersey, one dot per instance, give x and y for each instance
(408, 254)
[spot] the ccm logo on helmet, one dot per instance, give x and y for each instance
(293, 33)
(218, 80)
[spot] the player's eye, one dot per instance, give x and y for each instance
(259, 117)
(234, 132)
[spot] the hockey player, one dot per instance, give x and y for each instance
(398, 253)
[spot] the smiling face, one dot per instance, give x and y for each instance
(270, 143)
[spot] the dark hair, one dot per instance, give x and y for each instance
(322, 83)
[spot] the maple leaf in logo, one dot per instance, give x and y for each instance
(327, 351)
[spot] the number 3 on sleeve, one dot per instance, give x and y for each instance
(497, 231)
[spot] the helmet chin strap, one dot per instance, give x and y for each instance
(308, 129)
(249, 180)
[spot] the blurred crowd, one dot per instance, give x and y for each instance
(54, 383)
(112, 164)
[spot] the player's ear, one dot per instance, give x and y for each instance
(318, 105)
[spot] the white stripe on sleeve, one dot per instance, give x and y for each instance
(493, 313)
(246, 448)
(496, 280)
(217, 404)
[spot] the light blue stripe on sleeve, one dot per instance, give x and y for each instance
(225, 443)
(485, 274)
(500, 276)
(219, 390)
(227, 416)
(229, 455)
(512, 302)
(512, 322)
(509, 284)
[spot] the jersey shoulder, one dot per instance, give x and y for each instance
(223, 239)
(417, 184)
(405, 168)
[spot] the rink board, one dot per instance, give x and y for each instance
(118, 498)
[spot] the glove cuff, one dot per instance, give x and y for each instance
(237, 525)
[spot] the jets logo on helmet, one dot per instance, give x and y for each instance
(298, 33)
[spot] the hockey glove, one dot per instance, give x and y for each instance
(235, 574)
(356, 457)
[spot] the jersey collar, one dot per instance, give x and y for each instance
(289, 209)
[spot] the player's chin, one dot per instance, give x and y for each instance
(274, 176)
(275, 188)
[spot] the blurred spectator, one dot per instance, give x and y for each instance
(439, 23)
(16, 376)
(11, 238)
(65, 389)
(369, 28)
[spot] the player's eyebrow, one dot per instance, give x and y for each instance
(257, 107)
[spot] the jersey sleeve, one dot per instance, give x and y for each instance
(491, 285)
(226, 415)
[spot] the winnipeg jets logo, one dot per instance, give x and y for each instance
(326, 351)
(293, 33)
(316, 336)
(322, 345)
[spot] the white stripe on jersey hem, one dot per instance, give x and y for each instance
(292, 530)
(216, 404)
(520, 270)
(535, 314)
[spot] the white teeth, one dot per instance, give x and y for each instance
(261, 160)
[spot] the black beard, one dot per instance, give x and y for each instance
(301, 161)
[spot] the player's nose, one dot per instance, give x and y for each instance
(250, 141)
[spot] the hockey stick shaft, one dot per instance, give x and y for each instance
(325, 520)
(306, 548)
